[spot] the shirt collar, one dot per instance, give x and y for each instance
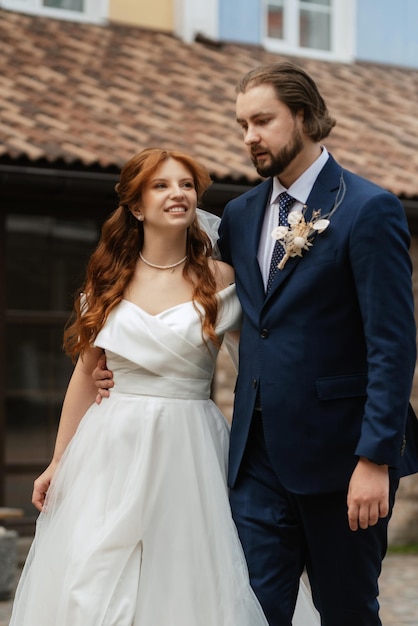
(302, 187)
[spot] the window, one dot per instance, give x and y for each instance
(81, 10)
(45, 265)
(315, 28)
(70, 5)
(315, 25)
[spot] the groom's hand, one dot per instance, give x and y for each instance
(103, 379)
(368, 494)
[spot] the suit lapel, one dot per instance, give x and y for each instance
(322, 197)
(325, 190)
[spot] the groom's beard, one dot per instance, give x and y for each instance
(279, 162)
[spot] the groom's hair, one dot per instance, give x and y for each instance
(297, 90)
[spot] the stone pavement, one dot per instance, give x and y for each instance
(398, 592)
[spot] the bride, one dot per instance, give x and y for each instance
(135, 527)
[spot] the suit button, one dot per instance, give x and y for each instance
(264, 333)
(254, 383)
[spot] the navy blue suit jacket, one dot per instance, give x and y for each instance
(332, 348)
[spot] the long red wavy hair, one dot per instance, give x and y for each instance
(112, 264)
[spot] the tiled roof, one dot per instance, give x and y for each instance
(93, 96)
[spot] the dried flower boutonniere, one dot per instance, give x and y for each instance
(299, 234)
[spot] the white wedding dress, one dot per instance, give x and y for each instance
(136, 529)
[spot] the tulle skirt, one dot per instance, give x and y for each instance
(137, 529)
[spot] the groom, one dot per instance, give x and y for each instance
(322, 428)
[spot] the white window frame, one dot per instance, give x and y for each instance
(95, 11)
(341, 35)
(192, 17)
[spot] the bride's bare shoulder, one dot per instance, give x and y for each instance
(223, 273)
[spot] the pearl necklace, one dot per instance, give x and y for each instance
(162, 267)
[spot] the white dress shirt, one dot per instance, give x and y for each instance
(299, 190)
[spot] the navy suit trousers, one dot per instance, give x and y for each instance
(283, 532)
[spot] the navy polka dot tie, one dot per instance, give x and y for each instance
(285, 202)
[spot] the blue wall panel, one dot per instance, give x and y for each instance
(387, 32)
(240, 20)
